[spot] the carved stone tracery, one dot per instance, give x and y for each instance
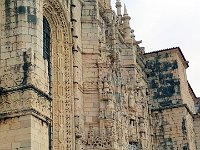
(62, 73)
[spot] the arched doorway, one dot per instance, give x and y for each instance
(60, 62)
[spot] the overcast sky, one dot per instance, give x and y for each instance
(162, 24)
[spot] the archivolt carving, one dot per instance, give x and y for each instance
(62, 73)
(52, 8)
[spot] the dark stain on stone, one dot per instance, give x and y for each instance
(25, 68)
(16, 12)
(162, 80)
(184, 125)
(168, 144)
(186, 146)
(32, 19)
(7, 12)
(32, 15)
(21, 10)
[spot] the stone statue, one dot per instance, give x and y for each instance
(131, 99)
(125, 94)
(78, 131)
(106, 87)
(100, 86)
(78, 144)
(110, 109)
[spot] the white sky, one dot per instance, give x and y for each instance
(162, 24)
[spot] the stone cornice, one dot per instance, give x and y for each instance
(25, 87)
(25, 112)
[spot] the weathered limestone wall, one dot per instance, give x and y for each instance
(21, 45)
(90, 53)
(173, 129)
(171, 99)
(15, 133)
(40, 134)
(187, 97)
(163, 78)
(166, 71)
(24, 132)
(22, 64)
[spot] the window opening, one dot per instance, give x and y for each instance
(47, 48)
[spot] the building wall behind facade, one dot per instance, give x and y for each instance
(173, 129)
(171, 101)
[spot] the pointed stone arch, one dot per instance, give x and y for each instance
(62, 106)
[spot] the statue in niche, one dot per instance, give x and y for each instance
(102, 114)
(142, 123)
(100, 87)
(141, 90)
(101, 59)
(125, 94)
(78, 144)
(141, 94)
(106, 88)
(129, 83)
(131, 99)
(144, 91)
(78, 131)
(126, 99)
(112, 89)
(110, 108)
(108, 131)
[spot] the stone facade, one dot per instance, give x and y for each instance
(73, 77)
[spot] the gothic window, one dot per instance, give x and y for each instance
(47, 47)
(46, 39)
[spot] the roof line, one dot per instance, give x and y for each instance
(191, 89)
(169, 49)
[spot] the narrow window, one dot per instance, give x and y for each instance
(47, 47)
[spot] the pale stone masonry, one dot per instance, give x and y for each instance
(73, 77)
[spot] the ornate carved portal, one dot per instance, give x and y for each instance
(62, 112)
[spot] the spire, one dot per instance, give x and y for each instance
(118, 6)
(125, 10)
(126, 26)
